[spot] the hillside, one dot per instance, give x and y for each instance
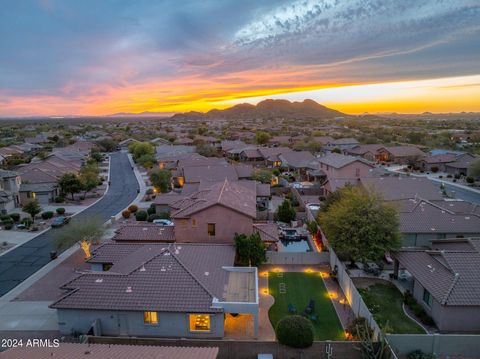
(268, 109)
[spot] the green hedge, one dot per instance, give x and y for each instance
(295, 331)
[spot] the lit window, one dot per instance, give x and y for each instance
(181, 181)
(194, 222)
(211, 229)
(184, 222)
(199, 323)
(427, 297)
(150, 318)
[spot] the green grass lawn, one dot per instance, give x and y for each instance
(300, 288)
(385, 303)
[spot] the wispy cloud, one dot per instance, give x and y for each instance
(95, 57)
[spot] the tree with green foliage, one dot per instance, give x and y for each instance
(336, 150)
(32, 208)
(360, 225)
(139, 149)
(285, 212)
(474, 170)
(161, 180)
(250, 250)
(147, 160)
(89, 181)
(86, 232)
(70, 183)
(262, 175)
(295, 331)
(207, 150)
(107, 145)
(262, 137)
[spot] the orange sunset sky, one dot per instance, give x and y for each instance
(74, 58)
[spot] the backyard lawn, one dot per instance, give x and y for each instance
(297, 289)
(385, 303)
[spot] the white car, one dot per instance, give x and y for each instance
(163, 222)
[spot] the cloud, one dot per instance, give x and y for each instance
(83, 52)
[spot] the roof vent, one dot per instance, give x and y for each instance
(207, 273)
(99, 280)
(433, 229)
(145, 228)
(129, 290)
(467, 217)
(162, 269)
(142, 268)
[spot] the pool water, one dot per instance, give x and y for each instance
(294, 246)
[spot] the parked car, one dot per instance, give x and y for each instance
(60, 221)
(163, 222)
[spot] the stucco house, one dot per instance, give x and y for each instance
(340, 169)
(446, 282)
(9, 187)
(401, 155)
(424, 213)
(215, 214)
(159, 290)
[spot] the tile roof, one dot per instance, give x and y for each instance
(343, 141)
(108, 351)
(296, 159)
(169, 278)
(228, 194)
(405, 151)
(451, 276)
(440, 158)
(268, 231)
(337, 160)
(362, 149)
(426, 217)
(145, 232)
(398, 188)
(208, 173)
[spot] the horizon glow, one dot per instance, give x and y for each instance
(60, 58)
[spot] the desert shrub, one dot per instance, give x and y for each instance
(7, 225)
(152, 217)
(469, 179)
(59, 199)
(141, 215)
(449, 176)
(60, 210)
(164, 215)
(152, 209)
(295, 331)
(27, 222)
(126, 214)
(15, 216)
(133, 208)
(434, 169)
(47, 215)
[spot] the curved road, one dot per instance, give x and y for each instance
(20, 263)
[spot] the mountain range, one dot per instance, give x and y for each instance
(268, 109)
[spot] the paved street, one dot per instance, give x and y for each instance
(461, 193)
(23, 261)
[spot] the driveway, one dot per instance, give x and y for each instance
(23, 261)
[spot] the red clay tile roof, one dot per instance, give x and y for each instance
(146, 232)
(268, 231)
(165, 280)
(451, 276)
(226, 193)
(108, 351)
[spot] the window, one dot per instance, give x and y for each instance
(211, 229)
(427, 297)
(357, 172)
(184, 222)
(150, 317)
(194, 222)
(199, 322)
